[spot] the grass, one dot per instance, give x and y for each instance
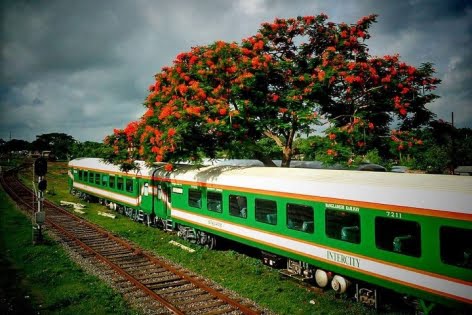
(241, 273)
(42, 278)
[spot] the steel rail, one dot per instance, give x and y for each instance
(119, 270)
(199, 284)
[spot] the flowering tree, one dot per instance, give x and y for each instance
(275, 84)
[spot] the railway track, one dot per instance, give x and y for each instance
(165, 288)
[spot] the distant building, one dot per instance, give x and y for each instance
(34, 154)
(48, 155)
(465, 170)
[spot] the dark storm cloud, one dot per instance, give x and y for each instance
(57, 37)
(432, 31)
(82, 67)
(61, 66)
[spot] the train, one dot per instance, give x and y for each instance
(360, 233)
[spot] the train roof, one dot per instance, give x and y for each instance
(436, 192)
(99, 164)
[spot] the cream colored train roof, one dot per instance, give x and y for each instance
(98, 164)
(437, 192)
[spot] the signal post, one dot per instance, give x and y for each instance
(39, 216)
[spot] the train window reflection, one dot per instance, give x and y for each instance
(343, 225)
(400, 236)
(214, 201)
(266, 211)
(195, 198)
(129, 185)
(238, 206)
(105, 180)
(111, 183)
(455, 246)
(119, 183)
(300, 217)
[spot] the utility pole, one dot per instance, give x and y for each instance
(453, 145)
(39, 218)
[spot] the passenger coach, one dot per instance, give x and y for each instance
(361, 232)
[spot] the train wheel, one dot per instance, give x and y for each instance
(340, 284)
(211, 242)
(322, 278)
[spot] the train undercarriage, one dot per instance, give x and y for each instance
(367, 294)
(190, 234)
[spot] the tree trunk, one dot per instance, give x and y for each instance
(286, 156)
(286, 148)
(265, 159)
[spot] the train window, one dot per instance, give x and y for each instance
(168, 193)
(195, 198)
(80, 175)
(119, 183)
(266, 211)
(111, 183)
(129, 185)
(85, 176)
(343, 225)
(104, 180)
(400, 236)
(455, 246)
(214, 201)
(91, 177)
(300, 217)
(97, 178)
(238, 206)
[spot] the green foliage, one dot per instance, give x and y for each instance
(435, 159)
(88, 149)
(462, 150)
(306, 147)
(14, 145)
(59, 143)
(373, 156)
(442, 148)
(264, 146)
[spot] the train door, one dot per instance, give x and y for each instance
(161, 199)
(146, 197)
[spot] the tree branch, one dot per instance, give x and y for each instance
(274, 137)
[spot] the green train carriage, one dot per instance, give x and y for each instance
(135, 194)
(403, 232)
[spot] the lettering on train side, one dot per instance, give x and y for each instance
(341, 207)
(177, 190)
(343, 259)
(215, 223)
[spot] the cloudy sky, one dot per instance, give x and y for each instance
(83, 67)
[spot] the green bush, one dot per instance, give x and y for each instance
(434, 160)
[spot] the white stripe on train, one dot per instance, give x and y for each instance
(108, 194)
